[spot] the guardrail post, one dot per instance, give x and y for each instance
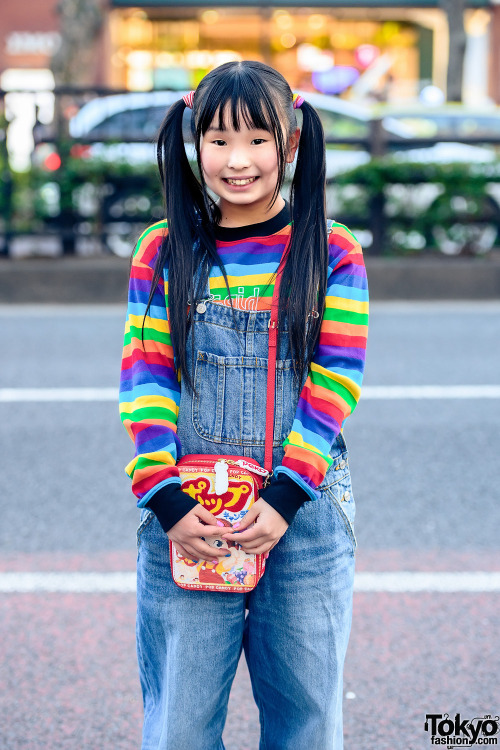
(378, 223)
(5, 180)
(67, 214)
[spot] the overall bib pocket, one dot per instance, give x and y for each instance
(230, 405)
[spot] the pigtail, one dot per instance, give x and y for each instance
(188, 229)
(303, 289)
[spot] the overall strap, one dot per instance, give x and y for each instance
(271, 365)
(271, 360)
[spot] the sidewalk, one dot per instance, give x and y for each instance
(101, 280)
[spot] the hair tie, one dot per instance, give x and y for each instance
(188, 99)
(298, 101)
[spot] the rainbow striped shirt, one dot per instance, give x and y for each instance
(150, 386)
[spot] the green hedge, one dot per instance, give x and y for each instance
(451, 208)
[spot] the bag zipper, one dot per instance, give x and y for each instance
(254, 468)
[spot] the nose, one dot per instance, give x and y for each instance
(239, 158)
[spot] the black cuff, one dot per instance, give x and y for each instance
(170, 504)
(285, 496)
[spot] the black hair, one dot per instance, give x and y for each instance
(261, 97)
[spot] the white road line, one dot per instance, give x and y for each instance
(75, 583)
(124, 583)
(400, 582)
(10, 395)
(434, 307)
(429, 391)
(51, 310)
(369, 392)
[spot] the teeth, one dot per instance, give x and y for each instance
(241, 182)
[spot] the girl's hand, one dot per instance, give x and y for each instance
(269, 527)
(188, 532)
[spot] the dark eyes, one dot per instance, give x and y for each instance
(255, 142)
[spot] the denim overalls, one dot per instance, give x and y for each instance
(297, 627)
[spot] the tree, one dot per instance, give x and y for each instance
(73, 65)
(80, 25)
(455, 10)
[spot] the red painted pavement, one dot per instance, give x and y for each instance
(68, 672)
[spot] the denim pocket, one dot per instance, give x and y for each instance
(339, 468)
(230, 405)
(340, 494)
(147, 516)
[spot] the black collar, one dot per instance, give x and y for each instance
(262, 229)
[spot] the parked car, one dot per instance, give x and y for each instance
(138, 116)
(446, 120)
(131, 121)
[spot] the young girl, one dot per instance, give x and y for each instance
(194, 381)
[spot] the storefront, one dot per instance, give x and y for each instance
(385, 50)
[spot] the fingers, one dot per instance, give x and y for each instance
(200, 550)
(184, 552)
(261, 538)
(259, 548)
(255, 533)
(248, 519)
(204, 515)
(208, 531)
(254, 541)
(211, 527)
(243, 537)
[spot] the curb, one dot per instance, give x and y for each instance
(64, 280)
(433, 278)
(104, 280)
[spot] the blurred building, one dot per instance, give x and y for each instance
(29, 34)
(383, 49)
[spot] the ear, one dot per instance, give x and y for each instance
(293, 144)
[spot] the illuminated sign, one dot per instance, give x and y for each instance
(32, 43)
(336, 80)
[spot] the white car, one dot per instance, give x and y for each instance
(129, 118)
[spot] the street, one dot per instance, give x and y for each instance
(426, 478)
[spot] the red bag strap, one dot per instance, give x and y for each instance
(271, 365)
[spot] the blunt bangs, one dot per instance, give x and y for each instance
(240, 108)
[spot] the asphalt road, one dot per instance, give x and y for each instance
(426, 478)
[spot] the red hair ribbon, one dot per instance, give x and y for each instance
(188, 99)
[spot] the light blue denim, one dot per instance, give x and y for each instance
(294, 627)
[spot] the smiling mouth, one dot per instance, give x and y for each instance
(239, 182)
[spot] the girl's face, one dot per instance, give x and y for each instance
(241, 166)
